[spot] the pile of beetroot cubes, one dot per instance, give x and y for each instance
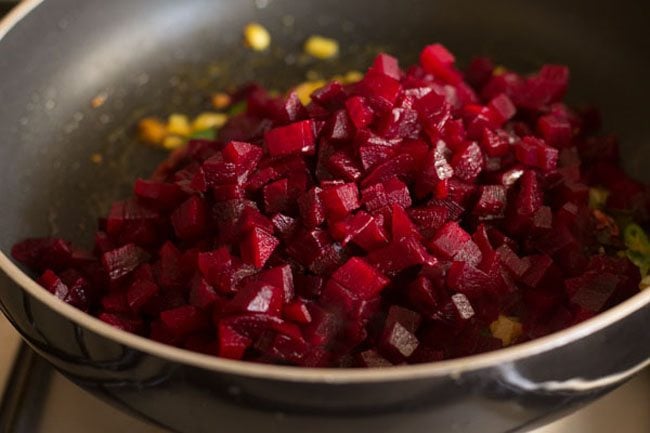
(390, 221)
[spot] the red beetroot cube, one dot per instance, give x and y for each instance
(122, 261)
(380, 90)
(232, 345)
(296, 312)
(41, 254)
(202, 294)
(399, 255)
(123, 322)
(495, 144)
(340, 200)
(397, 343)
(139, 293)
(410, 320)
(54, 285)
(468, 163)
(160, 195)
(361, 278)
(294, 138)
(534, 152)
(401, 166)
(190, 218)
(387, 65)
(282, 277)
(359, 111)
(311, 208)
(258, 297)
(437, 60)
(284, 225)
(185, 320)
(556, 131)
(276, 196)
(401, 224)
(372, 359)
(362, 229)
(491, 202)
(503, 107)
(592, 290)
(245, 156)
(342, 165)
(451, 241)
(257, 247)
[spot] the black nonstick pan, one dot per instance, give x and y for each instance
(162, 56)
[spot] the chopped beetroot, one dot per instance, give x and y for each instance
(360, 277)
(396, 220)
(294, 138)
(257, 246)
(340, 200)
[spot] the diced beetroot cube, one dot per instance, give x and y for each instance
(338, 201)
(359, 111)
(331, 95)
(372, 359)
(190, 218)
(342, 165)
(276, 196)
(436, 169)
(470, 281)
(122, 322)
(161, 195)
(468, 163)
(349, 227)
(297, 312)
(399, 123)
(139, 293)
(397, 343)
(202, 294)
(400, 166)
(556, 131)
(541, 271)
(311, 208)
(185, 320)
(437, 60)
(380, 90)
(284, 225)
(401, 224)
(40, 254)
(252, 219)
(399, 255)
(462, 308)
(245, 156)
(294, 138)
(122, 261)
(491, 202)
(410, 320)
(258, 297)
(429, 219)
(227, 192)
(257, 246)
(115, 302)
(592, 290)
(479, 71)
(215, 171)
(360, 277)
(451, 241)
(232, 345)
(54, 285)
(494, 144)
(512, 262)
(387, 65)
(282, 277)
(503, 107)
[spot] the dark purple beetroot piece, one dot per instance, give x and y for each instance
(391, 221)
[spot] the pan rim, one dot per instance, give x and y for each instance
(453, 368)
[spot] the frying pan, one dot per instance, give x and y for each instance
(161, 56)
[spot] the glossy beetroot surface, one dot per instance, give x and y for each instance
(393, 221)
